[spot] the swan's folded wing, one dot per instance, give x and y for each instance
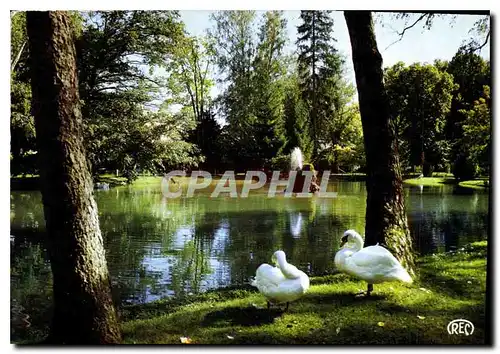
(269, 275)
(374, 255)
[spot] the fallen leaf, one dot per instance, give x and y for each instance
(185, 340)
(381, 324)
(230, 337)
(421, 317)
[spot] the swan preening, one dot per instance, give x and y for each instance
(283, 283)
(373, 264)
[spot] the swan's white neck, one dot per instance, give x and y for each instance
(358, 242)
(288, 270)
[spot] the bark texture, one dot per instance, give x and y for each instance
(386, 220)
(83, 308)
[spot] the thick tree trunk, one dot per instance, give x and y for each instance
(386, 220)
(83, 309)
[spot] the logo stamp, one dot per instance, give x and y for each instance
(460, 327)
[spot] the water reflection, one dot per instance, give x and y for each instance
(157, 247)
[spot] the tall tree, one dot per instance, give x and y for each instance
(420, 100)
(115, 51)
(233, 38)
(475, 157)
(268, 71)
(471, 73)
(234, 47)
(342, 127)
(83, 308)
(386, 220)
(296, 127)
(319, 65)
(189, 81)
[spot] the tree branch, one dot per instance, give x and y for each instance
(18, 56)
(472, 49)
(401, 34)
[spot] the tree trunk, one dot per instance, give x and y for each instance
(83, 308)
(386, 220)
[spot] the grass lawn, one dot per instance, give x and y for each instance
(451, 286)
(481, 183)
(439, 181)
(429, 181)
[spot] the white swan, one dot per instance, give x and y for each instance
(373, 264)
(283, 283)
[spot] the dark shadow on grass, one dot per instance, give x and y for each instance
(344, 299)
(238, 316)
(447, 284)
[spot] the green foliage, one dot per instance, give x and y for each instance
(189, 82)
(474, 157)
(420, 100)
(464, 168)
(319, 70)
(252, 68)
(470, 146)
(208, 137)
(296, 127)
(234, 47)
(477, 132)
(115, 89)
(114, 49)
(343, 147)
(22, 126)
(268, 70)
(280, 163)
(138, 118)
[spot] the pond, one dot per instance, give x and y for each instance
(157, 247)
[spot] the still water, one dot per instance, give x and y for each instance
(157, 247)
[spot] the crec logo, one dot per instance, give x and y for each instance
(460, 327)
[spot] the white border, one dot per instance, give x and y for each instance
(204, 5)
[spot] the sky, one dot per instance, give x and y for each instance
(418, 45)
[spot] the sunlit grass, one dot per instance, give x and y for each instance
(476, 184)
(440, 181)
(451, 286)
(429, 181)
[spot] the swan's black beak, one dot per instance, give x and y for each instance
(343, 241)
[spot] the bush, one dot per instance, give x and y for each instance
(465, 169)
(280, 163)
(427, 169)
